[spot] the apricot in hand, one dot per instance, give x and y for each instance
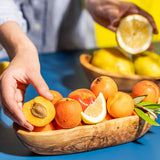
(39, 111)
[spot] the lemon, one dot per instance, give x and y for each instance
(147, 63)
(134, 34)
(113, 60)
(96, 111)
(3, 66)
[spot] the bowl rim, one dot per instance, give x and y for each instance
(23, 131)
(85, 62)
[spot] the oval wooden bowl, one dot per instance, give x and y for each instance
(124, 82)
(84, 138)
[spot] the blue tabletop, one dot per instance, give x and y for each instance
(62, 72)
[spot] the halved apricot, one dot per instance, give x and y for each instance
(39, 111)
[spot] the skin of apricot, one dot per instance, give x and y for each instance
(148, 88)
(105, 85)
(84, 96)
(48, 127)
(68, 113)
(56, 96)
(120, 105)
(57, 127)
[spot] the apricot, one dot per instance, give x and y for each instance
(148, 88)
(57, 127)
(56, 96)
(105, 85)
(68, 113)
(47, 127)
(39, 111)
(120, 105)
(84, 96)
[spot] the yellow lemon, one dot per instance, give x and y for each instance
(96, 111)
(147, 63)
(134, 34)
(113, 60)
(3, 66)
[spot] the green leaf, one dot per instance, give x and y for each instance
(146, 117)
(144, 103)
(139, 99)
(150, 106)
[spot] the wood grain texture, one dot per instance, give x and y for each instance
(84, 138)
(124, 82)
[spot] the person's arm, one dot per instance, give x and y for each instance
(108, 13)
(24, 69)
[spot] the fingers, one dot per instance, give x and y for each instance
(151, 48)
(41, 87)
(150, 19)
(15, 113)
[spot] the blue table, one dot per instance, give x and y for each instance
(62, 72)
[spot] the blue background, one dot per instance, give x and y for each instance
(62, 72)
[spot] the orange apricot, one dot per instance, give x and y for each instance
(39, 111)
(56, 96)
(57, 127)
(84, 96)
(120, 105)
(148, 88)
(68, 113)
(105, 85)
(47, 127)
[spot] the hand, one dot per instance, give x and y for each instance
(108, 13)
(23, 70)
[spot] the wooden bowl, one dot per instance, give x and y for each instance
(124, 82)
(84, 138)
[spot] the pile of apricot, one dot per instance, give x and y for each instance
(65, 113)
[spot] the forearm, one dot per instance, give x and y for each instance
(14, 40)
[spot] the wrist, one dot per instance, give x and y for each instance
(14, 40)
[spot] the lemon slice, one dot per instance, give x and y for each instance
(134, 34)
(3, 66)
(96, 111)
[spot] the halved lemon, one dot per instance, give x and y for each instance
(96, 111)
(134, 34)
(3, 66)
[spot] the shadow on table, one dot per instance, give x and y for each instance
(9, 143)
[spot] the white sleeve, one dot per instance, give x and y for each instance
(10, 12)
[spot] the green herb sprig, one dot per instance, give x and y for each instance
(141, 107)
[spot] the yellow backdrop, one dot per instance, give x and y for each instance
(106, 37)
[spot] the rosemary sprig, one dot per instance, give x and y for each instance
(141, 107)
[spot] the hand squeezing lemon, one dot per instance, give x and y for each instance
(134, 34)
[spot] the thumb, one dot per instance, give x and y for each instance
(41, 87)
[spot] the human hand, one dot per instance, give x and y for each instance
(108, 13)
(22, 71)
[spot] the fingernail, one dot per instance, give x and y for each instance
(49, 95)
(28, 126)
